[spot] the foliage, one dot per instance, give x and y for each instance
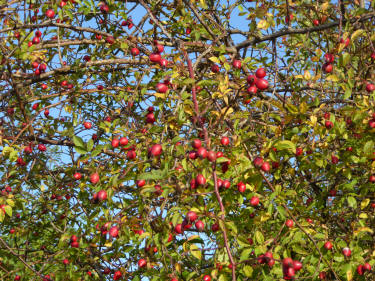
(103, 104)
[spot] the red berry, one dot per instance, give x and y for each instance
(328, 124)
(178, 228)
(226, 184)
(370, 87)
(191, 216)
(114, 231)
(260, 73)
(159, 48)
(134, 51)
(251, 79)
(254, 201)
(241, 187)
(155, 57)
(104, 8)
(327, 68)
(346, 252)
(142, 263)
(87, 125)
(161, 88)
(237, 64)
(94, 178)
(77, 176)
(196, 143)
(200, 179)
(102, 195)
(215, 68)
(202, 152)
(265, 167)
(297, 265)
(50, 13)
(211, 156)
(367, 266)
(117, 275)
(156, 150)
(258, 162)
(360, 269)
(289, 223)
(224, 141)
(316, 22)
(215, 227)
(329, 58)
(287, 262)
(199, 225)
(261, 84)
(207, 278)
(115, 143)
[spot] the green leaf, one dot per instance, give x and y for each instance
(247, 270)
(292, 108)
(232, 226)
(368, 147)
(345, 58)
(195, 251)
(2, 215)
(245, 254)
(214, 59)
(80, 150)
(285, 145)
(352, 202)
(97, 150)
(78, 141)
(153, 175)
(259, 237)
(90, 145)
(8, 210)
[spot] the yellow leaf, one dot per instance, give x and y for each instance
(332, 78)
(303, 107)
(315, 59)
(362, 229)
(325, 6)
(349, 275)
(68, 108)
(195, 251)
(250, 187)
(108, 244)
(265, 217)
(188, 110)
(185, 246)
(214, 59)
(237, 142)
(365, 203)
(160, 95)
(313, 120)
(177, 266)
(203, 4)
(226, 110)
(307, 75)
(298, 76)
(363, 216)
(357, 33)
(263, 24)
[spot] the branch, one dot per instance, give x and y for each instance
(20, 258)
(289, 31)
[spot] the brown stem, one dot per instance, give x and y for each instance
(218, 197)
(20, 258)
